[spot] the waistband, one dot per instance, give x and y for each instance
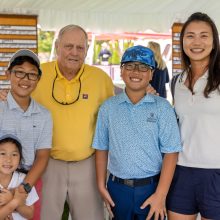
(135, 182)
(73, 161)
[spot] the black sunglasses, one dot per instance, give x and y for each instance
(66, 103)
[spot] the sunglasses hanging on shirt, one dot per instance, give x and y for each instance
(66, 103)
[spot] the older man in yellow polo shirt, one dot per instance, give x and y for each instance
(73, 92)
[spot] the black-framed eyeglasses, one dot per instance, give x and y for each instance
(66, 103)
(21, 75)
(133, 66)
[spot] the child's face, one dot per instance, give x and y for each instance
(9, 158)
(136, 76)
(23, 87)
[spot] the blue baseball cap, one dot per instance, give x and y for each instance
(139, 54)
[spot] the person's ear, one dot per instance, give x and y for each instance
(56, 46)
(87, 48)
(8, 74)
(121, 69)
(151, 74)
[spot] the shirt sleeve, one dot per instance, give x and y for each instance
(101, 137)
(32, 197)
(169, 135)
(45, 137)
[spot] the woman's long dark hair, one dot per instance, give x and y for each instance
(214, 63)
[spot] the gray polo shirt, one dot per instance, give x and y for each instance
(33, 127)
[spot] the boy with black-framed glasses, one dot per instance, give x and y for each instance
(20, 115)
(137, 138)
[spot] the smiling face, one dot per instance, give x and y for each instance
(198, 42)
(9, 158)
(136, 80)
(71, 51)
(22, 88)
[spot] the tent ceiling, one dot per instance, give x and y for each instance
(112, 15)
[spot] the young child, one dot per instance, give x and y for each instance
(20, 115)
(137, 138)
(13, 202)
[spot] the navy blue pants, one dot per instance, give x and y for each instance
(129, 199)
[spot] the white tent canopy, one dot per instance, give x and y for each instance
(112, 15)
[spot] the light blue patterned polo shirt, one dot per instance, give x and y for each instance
(136, 136)
(33, 127)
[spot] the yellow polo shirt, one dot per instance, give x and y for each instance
(74, 124)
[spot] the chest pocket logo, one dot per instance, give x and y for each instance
(152, 118)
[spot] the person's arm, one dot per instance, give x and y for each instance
(5, 196)
(26, 211)
(150, 90)
(157, 200)
(18, 200)
(101, 159)
(43, 151)
(39, 165)
(167, 75)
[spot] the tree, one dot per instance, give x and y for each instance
(45, 41)
(114, 46)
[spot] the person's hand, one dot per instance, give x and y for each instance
(157, 207)
(20, 197)
(5, 196)
(21, 189)
(108, 200)
(9, 217)
(3, 94)
(151, 90)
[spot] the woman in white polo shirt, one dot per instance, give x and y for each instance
(196, 183)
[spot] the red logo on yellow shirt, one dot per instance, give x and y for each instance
(85, 96)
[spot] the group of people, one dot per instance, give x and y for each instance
(156, 167)
(104, 54)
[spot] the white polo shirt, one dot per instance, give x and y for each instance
(199, 120)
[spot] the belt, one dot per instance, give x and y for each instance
(135, 182)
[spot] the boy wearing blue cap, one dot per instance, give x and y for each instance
(137, 139)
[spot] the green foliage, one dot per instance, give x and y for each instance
(65, 214)
(97, 48)
(114, 49)
(45, 41)
(127, 44)
(116, 57)
(111, 50)
(131, 43)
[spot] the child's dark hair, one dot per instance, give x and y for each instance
(20, 60)
(11, 139)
